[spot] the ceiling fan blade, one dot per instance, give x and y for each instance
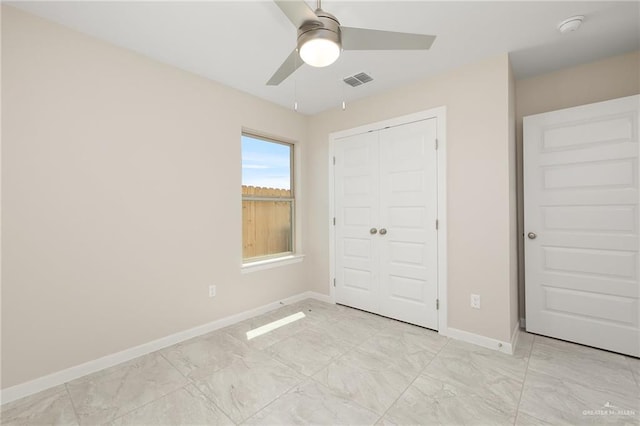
(287, 68)
(298, 12)
(364, 39)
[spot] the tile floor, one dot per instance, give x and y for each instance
(342, 366)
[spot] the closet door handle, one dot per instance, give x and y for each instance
(373, 231)
(383, 231)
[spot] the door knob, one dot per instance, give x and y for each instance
(383, 231)
(532, 235)
(373, 231)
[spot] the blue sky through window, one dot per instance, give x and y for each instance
(265, 164)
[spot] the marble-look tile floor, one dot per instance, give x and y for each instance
(338, 365)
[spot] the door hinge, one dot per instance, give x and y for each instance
(334, 221)
(334, 160)
(334, 282)
(436, 144)
(437, 304)
(437, 224)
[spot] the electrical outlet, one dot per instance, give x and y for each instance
(475, 301)
(212, 291)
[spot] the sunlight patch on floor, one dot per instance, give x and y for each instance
(274, 325)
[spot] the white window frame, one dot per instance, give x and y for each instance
(285, 258)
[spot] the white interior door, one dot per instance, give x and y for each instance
(581, 224)
(356, 212)
(408, 211)
(385, 232)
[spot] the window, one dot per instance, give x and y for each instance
(267, 198)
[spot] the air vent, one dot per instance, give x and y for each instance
(358, 79)
(363, 77)
(352, 81)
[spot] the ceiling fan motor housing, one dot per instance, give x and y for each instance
(330, 29)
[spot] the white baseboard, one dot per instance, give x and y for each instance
(54, 379)
(477, 339)
(318, 296)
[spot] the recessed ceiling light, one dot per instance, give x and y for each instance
(570, 24)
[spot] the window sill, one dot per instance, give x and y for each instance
(260, 265)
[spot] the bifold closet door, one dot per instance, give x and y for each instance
(356, 203)
(408, 212)
(385, 234)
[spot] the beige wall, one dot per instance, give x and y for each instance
(121, 187)
(610, 78)
(476, 97)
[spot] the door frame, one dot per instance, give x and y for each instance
(439, 114)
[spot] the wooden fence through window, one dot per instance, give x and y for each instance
(266, 225)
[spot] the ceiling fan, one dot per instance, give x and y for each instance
(321, 38)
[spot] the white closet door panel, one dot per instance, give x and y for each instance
(408, 209)
(356, 208)
(581, 201)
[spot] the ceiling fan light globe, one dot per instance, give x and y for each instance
(319, 52)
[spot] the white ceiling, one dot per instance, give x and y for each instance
(242, 43)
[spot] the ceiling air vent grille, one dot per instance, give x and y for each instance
(363, 77)
(358, 79)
